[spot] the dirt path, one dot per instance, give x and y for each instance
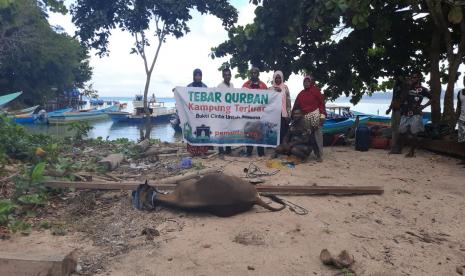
(416, 228)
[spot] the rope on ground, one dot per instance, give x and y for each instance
(253, 171)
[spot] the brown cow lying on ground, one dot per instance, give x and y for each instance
(220, 194)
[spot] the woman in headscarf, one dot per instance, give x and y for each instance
(312, 104)
(197, 150)
(279, 86)
(197, 76)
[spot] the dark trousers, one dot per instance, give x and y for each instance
(260, 150)
(224, 150)
(314, 145)
(284, 129)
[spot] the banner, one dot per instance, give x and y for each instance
(227, 117)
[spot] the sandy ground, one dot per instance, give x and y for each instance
(417, 227)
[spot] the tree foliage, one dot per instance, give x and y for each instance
(353, 47)
(148, 21)
(34, 57)
(349, 46)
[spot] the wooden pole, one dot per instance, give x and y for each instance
(293, 190)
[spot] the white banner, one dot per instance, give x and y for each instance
(227, 117)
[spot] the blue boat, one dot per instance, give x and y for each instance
(39, 118)
(341, 125)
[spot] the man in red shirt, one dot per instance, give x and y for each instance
(255, 83)
(312, 104)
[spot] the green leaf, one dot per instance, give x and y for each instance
(37, 172)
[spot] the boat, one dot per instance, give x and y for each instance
(96, 102)
(158, 113)
(385, 121)
(25, 111)
(5, 99)
(341, 125)
(39, 118)
(138, 101)
(334, 111)
(69, 117)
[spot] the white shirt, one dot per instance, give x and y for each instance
(462, 111)
(224, 85)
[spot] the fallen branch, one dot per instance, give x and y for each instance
(157, 151)
(8, 177)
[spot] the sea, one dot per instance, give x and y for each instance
(376, 104)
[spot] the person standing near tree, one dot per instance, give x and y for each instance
(226, 83)
(461, 117)
(255, 83)
(411, 119)
(312, 104)
(279, 86)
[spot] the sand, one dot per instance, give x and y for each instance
(417, 227)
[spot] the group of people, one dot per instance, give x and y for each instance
(300, 132)
(407, 117)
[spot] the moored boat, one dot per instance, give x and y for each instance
(25, 111)
(39, 118)
(158, 112)
(69, 117)
(341, 125)
(5, 99)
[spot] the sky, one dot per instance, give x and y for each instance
(122, 74)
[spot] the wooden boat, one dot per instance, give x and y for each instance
(448, 147)
(69, 117)
(5, 99)
(158, 113)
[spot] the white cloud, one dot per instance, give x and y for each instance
(122, 74)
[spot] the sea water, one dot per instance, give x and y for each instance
(107, 129)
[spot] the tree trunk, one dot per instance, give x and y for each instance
(435, 78)
(449, 112)
(148, 125)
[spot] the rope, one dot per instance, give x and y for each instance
(253, 171)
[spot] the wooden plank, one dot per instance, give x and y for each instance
(263, 189)
(36, 263)
(320, 190)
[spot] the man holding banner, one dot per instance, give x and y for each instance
(226, 83)
(255, 83)
(227, 116)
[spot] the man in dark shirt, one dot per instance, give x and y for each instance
(411, 120)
